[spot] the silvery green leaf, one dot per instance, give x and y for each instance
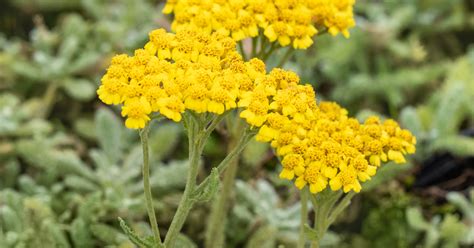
(8, 119)
(79, 183)
(10, 219)
(210, 188)
(132, 236)
(109, 132)
(100, 159)
(86, 60)
(132, 163)
(456, 144)
(163, 139)
(462, 203)
(79, 89)
(68, 47)
(310, 233)
(55, 231)
(34, 127)
(453, 229)
(449, 112)
(169, 176)
(415, 219)
(10, 172)
(29, 186)
(410, 120)
(246, 194)
(264, 237)
(106, 233)
(184, 242)
(85, 127)
(80, 234)
(330, 239)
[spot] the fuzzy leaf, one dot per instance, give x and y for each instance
(310, 233)
(416, 220)
(80, 234)
(79, 89)
(449, 113)
(163, 140)
(169, 177)
(134, 238)
(85, 127)
(106, 233)
(10, 172)
(109, 133)
(80, 184)
(410, 120)
(184, 242)
(264, 237)
(210, 189)
(458, 145)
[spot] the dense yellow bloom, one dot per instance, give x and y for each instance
(288, 22)
(319, 145)
(173, 72)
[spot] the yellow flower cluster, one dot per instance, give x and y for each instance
(292, 22)
(192, 70)
(320, 145)
(174, 72)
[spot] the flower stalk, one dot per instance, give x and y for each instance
(304, 217)
(196, 140)
(146, 185)
(215, 235)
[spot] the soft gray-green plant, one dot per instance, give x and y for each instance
(449, 230)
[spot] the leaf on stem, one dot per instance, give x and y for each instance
(137, 240)
(310, 233)
(208, 190)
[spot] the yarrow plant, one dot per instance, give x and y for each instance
(290, 22)
(196, 76)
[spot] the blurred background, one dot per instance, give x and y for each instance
(69, 167)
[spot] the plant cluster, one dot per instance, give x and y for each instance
(69, 167)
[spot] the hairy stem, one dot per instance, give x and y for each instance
(195, 149)
(243, 141)
(323, 202)
(286, 56)
(304, 217)
(242, 50)
(346, 200)
(215, 235)
(146, 184)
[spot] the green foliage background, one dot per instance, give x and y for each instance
(69, 167)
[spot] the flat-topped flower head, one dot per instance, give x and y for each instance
(318, 143)
(190, 70)
(287, 22)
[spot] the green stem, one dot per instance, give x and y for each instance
(48, 99)
(346, 200)
(323, 202)
(215, 121)
(304, 217)
(243, 141)
(215, 235)
(266, 55)
(285, 57)
(146, 185)
(254, 47)
(195, 150)
(261, 52)
(242, 50)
